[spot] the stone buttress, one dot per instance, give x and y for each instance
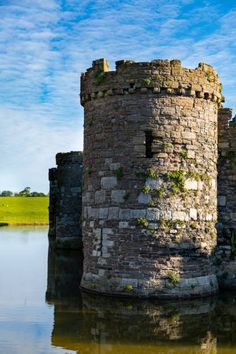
(149, 197)
(66, 201)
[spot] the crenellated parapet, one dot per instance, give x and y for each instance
(66, 201)
(158, 77)
(69, 158)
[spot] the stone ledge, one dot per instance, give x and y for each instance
(155, 91)
(186, 288)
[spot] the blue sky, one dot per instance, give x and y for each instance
(46, 44)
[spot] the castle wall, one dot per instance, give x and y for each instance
(66, 201)
(149, 201)
(226, 248)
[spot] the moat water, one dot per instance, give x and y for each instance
(43, 312)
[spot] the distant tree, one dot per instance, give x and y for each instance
(25, 192)
(6, 194)
(37, 194)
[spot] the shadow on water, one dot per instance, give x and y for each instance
(88, 323)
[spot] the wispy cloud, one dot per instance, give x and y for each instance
(45, 45)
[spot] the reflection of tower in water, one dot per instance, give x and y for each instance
(64, 273)
(103, 325)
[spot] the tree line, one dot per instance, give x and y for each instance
(26, 192)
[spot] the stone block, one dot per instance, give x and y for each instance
(188, 135)
(193, 213)
(153, 214)
(153, 183)
(106, 231)
(123, 225)
(222, 200)
(166, 214)
(200, 185)
(107, 243)
(117, 196)
(139, 140)
(96, 253)
(105, 254)
(100, 196)
(97, 232)
(191, 154)
(191, 184)
(92, 213)
(138, 213)
(209, 217)
(170, 111)
(113, 213)
(86, 197)
(102, 213)
(223, 145)
(125, 214)
(180, 215)
(108, 161)
(101, 261)
(144, 198)
(114, 166)
(101, 173)
(108, 182)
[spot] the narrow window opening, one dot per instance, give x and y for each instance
(148, 143)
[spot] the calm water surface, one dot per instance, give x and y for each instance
(43, 312)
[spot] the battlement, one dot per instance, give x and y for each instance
(158, 77)
(52, 174)
(67, 158)
(224, 118)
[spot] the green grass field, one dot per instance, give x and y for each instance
(24, 210)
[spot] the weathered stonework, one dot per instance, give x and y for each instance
(66, 201)
(150, 153)
(226, 248)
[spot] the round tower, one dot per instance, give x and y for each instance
(149, 204)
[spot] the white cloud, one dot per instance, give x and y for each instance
(46, 45)
(29, 145)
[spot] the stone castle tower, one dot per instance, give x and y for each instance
(150, 178)
(65, 201)
(150, 182)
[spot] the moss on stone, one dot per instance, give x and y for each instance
(177, 180)
(119, 173)
(146, 189)
(142, 222)
(174, 278)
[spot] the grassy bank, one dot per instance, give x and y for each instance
(24, 210)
